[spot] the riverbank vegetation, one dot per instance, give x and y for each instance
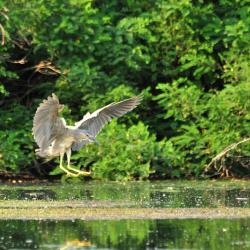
(190, 60)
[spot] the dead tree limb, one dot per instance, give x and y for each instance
(3, 34)
(225, 151)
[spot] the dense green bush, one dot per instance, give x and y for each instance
(16, 147)
(205, 123)
(120, 150)
(189, 58)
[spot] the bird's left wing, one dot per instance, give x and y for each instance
(94, 122)
(47, 124)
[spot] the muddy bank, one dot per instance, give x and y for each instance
(64, 210)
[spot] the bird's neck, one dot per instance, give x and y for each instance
(77, 134)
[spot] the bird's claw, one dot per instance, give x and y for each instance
(72, 174)
(83, 173)
(79, 172)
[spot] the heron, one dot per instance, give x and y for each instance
(55, 138)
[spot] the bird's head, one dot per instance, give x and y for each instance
(85, 135)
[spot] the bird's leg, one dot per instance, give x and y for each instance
(68, 152)
(64, 169)
(79, 172)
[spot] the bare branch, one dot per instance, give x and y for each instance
(225, 151)
(2, 12)
(44, 67)
(3, 34)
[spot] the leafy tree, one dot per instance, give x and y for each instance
(189, 58)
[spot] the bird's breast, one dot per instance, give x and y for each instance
(63, 142)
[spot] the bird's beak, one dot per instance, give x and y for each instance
(94, 140)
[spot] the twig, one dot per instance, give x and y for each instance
(3, 34)
(44, 67)
(1, 26)
(225, 151)
(29, 91)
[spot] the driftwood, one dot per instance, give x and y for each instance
(224, 152)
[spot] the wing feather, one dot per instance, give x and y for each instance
(97, 120)
(47, 124)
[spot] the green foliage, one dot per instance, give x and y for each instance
(120, 150)
(205, 123)
(191, 61)
(16, 148)
(128, 234)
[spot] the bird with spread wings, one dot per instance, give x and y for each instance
(55, 138)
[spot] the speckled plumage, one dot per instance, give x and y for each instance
(55, 138)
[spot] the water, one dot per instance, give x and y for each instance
(140, 194)
(128, 234)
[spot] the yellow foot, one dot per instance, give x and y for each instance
(72, 174)
(69, 173)
(80, 172)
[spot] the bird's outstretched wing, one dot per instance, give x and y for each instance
(47, 124)
(94, 122)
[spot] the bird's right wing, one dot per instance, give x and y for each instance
(94, 122)
(47, 124)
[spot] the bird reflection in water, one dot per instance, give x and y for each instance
(75, 244)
